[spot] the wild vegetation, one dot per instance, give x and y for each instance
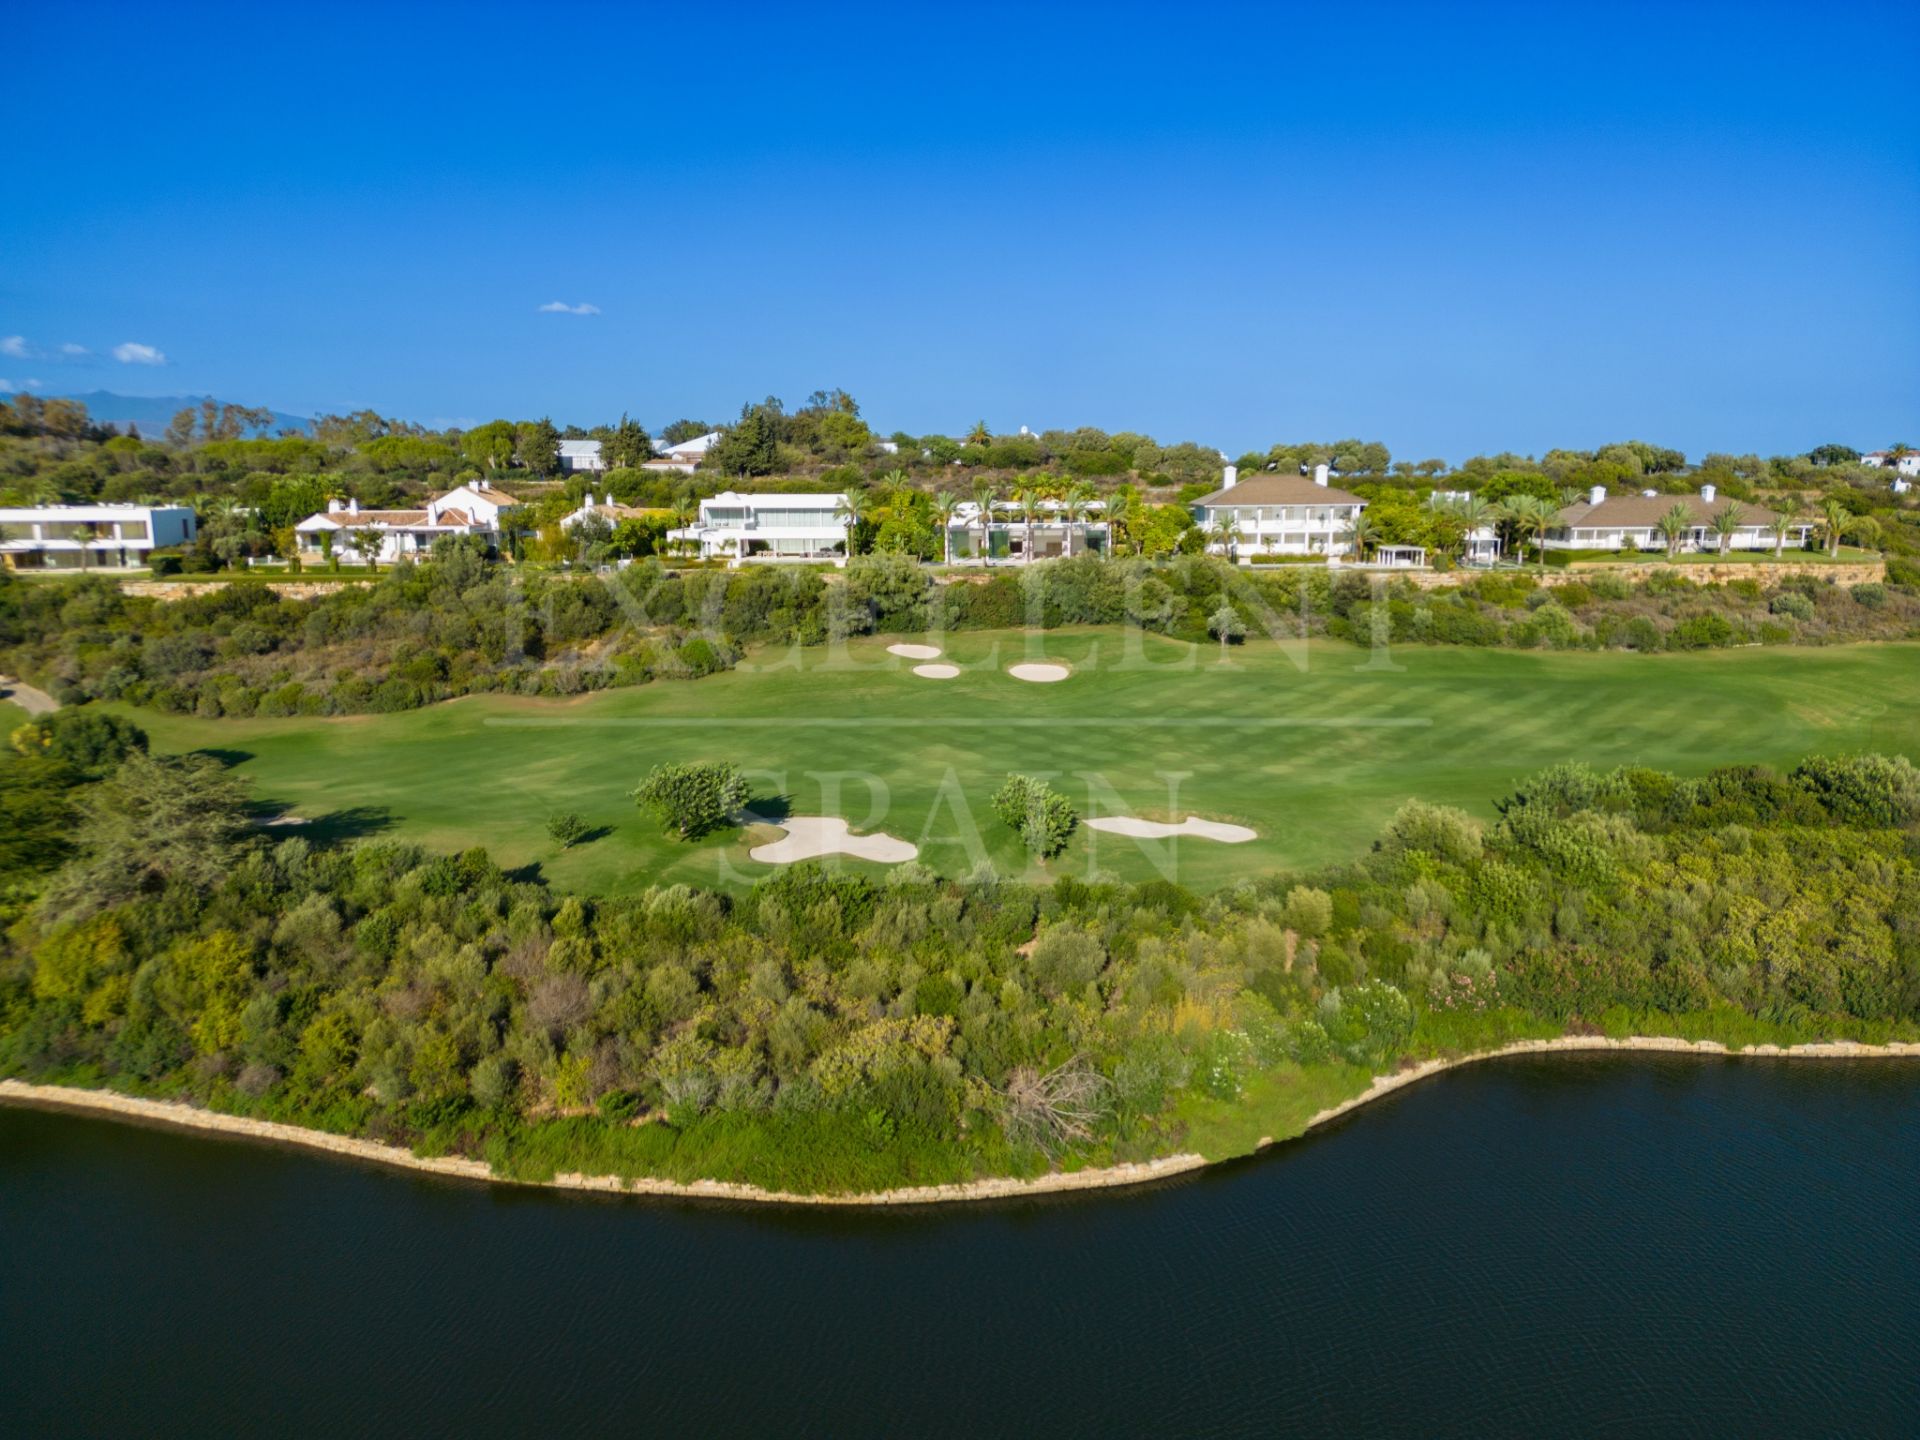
(825, 1031)
(460, 624)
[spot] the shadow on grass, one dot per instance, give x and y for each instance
(356, 822)
(527, 874)
(769, 809)
(228, 758)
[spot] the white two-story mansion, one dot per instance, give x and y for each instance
(1620, 522)
(346, 531)
(1003, 534)
(1277, 515)
(90, 537)
(745, 528)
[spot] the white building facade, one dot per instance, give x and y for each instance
(1005, 534)
(581, 456)
(91, 537)
(1632, 522)
(685, 457)
(768, 528)
(344, 531)
(1278, 515)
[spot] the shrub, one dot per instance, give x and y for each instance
(1868, 790)
(1787, 602)
(1039, 814)
(692, 799)
(1871, 594)
(89, 740)
(1065, 960)
(1701, 632)
(1902, 572)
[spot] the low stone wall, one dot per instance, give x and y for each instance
(186, 589)
(1766, 572)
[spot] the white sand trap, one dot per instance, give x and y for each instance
(936, 672)
(810, 836)
(915, 652)
(1040, 674)
(1159, 829)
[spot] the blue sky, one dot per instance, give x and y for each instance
(1454, 228)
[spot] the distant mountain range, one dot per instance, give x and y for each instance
(152, 412)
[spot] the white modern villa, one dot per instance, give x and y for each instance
(768, 527)
(1275, 514)
(346, 531)
(1003, 533)
(90, 537)
(1622, 522)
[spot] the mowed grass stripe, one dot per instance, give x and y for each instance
(1314, 760)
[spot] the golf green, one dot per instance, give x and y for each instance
(1312, 746)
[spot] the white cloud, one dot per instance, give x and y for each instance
(71, 351)
(132, 353)
(16, 346)
(560, 307)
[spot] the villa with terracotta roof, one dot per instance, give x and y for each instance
(1623, 522)
(1278, 515)
(350, 533)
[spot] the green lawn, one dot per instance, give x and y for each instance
(1315, 760)
(11, 718)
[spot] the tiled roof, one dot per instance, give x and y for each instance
(1633, 512)
(1268, 489)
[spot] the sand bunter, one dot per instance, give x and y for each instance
(809, 837)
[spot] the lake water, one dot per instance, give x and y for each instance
(1564, 1246)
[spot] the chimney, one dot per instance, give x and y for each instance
(333, 505)
(1320, 475)
(1706, 493)
(1229, 477)
(1596, 494)
(353, 507)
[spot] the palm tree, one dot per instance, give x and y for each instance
(945, 502)
(1530, 516)
(1673, 527)
(1227, 528)
(1361, 535)
(1027, 497)
(1835, 519)
(1079, 496)
(851, 510)
(985, 496)
(1785, 523)
(1122, 506)
(979, 434)
(1727, 524)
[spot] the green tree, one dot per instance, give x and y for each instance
(1043, 818)
(628, 447)
(151, 823)
(751, 446)
(1225, 624)
(693, 799)
(567, 827)
(1673, 527)
(537, 444)
(490, 446)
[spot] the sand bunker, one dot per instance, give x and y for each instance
(1159, 829)
(936, 672)
(1042, 674)
(810, 836)
(915, 652)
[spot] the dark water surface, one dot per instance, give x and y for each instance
(1563, 1246)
